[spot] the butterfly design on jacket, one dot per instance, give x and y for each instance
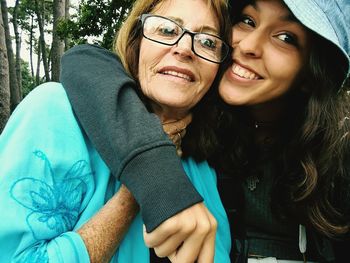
(54, 202)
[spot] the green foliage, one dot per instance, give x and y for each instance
(99, 19)
(26, 10)
(96, 20)
(28, 82)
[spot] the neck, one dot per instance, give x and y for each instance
(268, 113)
(169, 114)
(267, 120)
(266, 125)
(267, 134)
(175, 127)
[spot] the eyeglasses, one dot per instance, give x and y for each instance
(167, 32)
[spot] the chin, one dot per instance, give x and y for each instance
(228, 95)
(234, 99)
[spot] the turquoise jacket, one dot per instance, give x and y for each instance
(52, 180)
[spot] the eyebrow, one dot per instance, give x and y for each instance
(204, 28)
(288, 18)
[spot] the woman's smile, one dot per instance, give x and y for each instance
(177, 74)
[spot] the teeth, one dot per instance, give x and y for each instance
(243, 73)
(178, 74)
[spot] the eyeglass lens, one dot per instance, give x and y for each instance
(168, 32)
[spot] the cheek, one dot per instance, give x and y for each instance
(209, 73)
(281, 72)
(149, 58)
(142, 65)
(227, 91)
(283, 65)
(237, 35)
(142, 75)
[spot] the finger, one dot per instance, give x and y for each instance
(207, 252)
(161, 233)
(172, 257)
(190, 249)
(172, 244)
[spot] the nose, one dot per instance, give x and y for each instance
(249, 44)
(183, 48)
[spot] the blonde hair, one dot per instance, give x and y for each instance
(128, 39)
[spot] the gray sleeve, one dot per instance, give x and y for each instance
(129, 139)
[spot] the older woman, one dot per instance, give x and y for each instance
(54, 184)
(285, 161)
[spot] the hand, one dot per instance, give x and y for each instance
(187, 237)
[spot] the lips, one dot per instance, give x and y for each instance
(178, 72)
(244, 72)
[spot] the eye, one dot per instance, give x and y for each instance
(168, 29)
(246, 20)
(288, 38)
(206, 41)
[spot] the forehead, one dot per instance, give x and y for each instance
(185, 10)
(275, 13)
(276, 8)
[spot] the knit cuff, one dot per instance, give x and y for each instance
(160, 191)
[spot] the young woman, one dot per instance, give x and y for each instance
(59, 200)
(282, 134)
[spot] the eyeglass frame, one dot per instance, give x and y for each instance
(143, 17)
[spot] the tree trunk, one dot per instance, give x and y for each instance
(4, 79)
(14, 88)
(31, 39)
(37, 77)
(67, 17)
(38, 12)
(57, 43)
(18, 48)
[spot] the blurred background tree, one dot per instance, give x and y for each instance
(96, 18)
(42, 30)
